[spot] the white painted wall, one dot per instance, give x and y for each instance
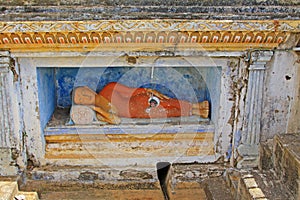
(281, 95)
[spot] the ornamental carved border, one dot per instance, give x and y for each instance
(69, 34)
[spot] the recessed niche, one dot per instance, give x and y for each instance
(193, 84)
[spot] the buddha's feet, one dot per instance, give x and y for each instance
(201, 109)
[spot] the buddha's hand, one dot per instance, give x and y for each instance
(156, 93)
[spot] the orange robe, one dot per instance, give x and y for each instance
(133, 103)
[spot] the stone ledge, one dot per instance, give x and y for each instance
(96, 175)
(102, 189)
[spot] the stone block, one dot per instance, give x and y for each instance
(256, 193)
(8, 190)
(250, 183)
(7, 165)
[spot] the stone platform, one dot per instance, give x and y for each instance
(141, 142)
(129, 144)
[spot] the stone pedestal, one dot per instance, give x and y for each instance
(248, 149)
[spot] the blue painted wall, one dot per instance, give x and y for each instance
(178, 82)
(65, 78)
(47, 94)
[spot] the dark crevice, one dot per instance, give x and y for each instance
(162, 173)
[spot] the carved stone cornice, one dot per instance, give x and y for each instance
(86, 35)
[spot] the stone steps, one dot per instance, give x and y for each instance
(254, 184)
(188, 181)
(9, 191)
(278, 175)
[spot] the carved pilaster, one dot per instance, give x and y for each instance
(249, 147)
(5, 117)
(10, 146)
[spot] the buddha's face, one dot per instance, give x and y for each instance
(153, 103)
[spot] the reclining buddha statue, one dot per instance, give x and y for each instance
(116, 100)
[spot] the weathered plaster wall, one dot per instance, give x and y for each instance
(30, 111)
(294, 116)
(280, 95)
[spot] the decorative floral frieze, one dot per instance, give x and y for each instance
(74, 33)
(149, 25)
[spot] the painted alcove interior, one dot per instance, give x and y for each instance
(194, 84)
